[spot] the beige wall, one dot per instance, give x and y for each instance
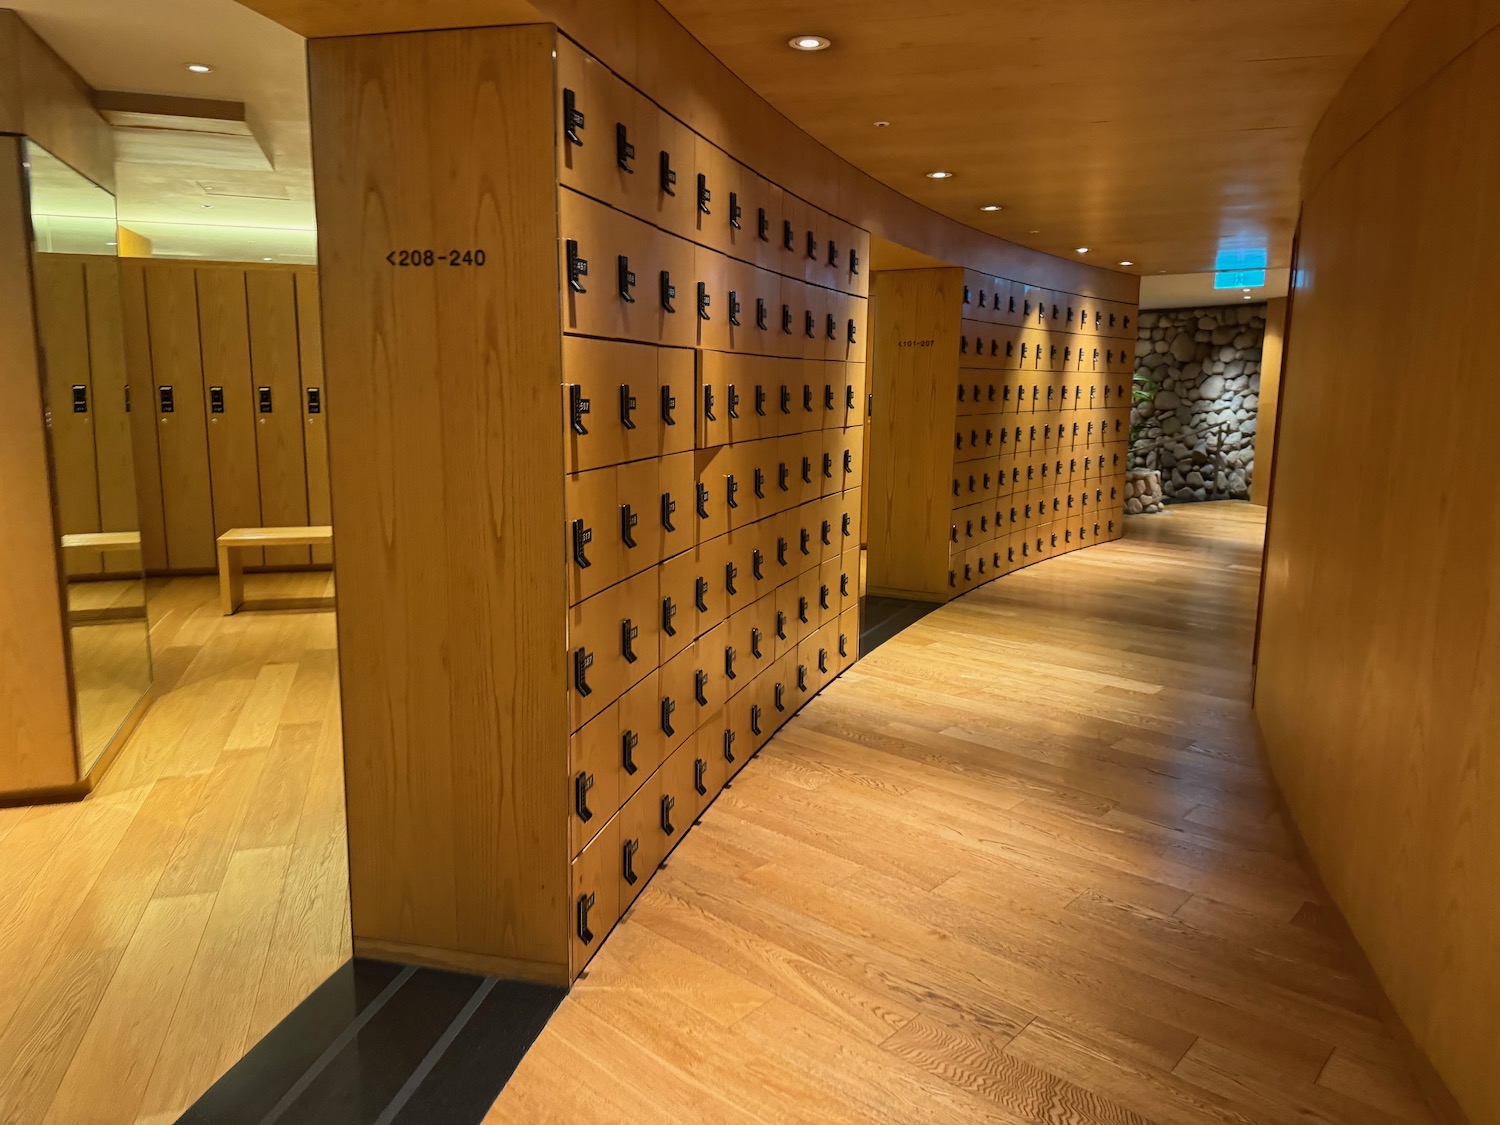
(1379, 667)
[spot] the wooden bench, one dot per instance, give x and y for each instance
(236, 539)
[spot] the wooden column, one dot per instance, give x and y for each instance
(447, 467)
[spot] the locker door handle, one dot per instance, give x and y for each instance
(668, 292)
(734, 402)
(851, 331)
(760, 313)
(756, 564)
(667, 707)
(735, 210)
(823, 596)
(314, 400)
(668, 405)
(700, 687)
(809, 326)
(760, 486)
(827, 533)
(806, 537)
(572, 118)
(848, 523)
(823, 660)
(731, 572)
(668, 507)
(708, 402)
(585, 904)
(843, 585)
(628, 521)
(849, 394)
(626, 279)
(780, 625)
(628, 742)
(781, 697)
(782, 477)
(853, 262)
(755, 719)
(704, 300)
(668, 611)
(843, 646)
(704, 195)
(786, 399)
(627, 407)
(731, 491)
(700, 771)
(668, 802)
(802, 610)
(833, 253)
(668, 177)
(581, 786)
(700, 594)
(263, 395)
(582, 537)
(702, 501)
(624, 150)
(629, 630)
(788, 236)
(762, 225)
(583, 660)
(760, 400)
(812, 247)
(734, 308)
(828, 466)
(807, 470)
(578, 268)
(755, 642)
(730, 655)
(786, 319)
(802, 677)
(729, 746)
(781, 550)
(831, 327)
(627, 861)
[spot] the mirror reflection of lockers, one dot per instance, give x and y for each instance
(79, 324)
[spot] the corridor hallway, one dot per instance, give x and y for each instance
(1021, 864)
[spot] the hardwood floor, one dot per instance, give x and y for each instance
(152, 933)
(1022, 864)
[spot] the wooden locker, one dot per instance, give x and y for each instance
(276, 368)
(63, 331)
(112, 454)
(224, 337)
(314, 405)
(142, 421)
(176, 400)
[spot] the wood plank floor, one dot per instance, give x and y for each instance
(150, 934)
(1020, 865)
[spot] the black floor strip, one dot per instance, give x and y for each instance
(881, 619)
(378, 1044)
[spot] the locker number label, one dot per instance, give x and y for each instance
(472, 257)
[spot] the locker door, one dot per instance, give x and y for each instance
(181, 430)
(146, 457)
(277, 375)
(62, 326)
(224, 331)
(112, 454)
(314, 405)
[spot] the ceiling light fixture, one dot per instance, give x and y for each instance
(200, 68)
(939, 175)
(1127, 263)
(882, 124)
(809, 42)
(990, 207)
(1083, 250)
(268, 259)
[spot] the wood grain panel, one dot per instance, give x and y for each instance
(274, 363)
(915, 317)
(1272, 353)
(448, 490)
(142, 417)
(233, 463)
(62, 324)
(1379, 664)
(182, 433)
(315, 425)
(36, 733)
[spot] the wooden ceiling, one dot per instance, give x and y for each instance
(1154, 131)
(1146, 130)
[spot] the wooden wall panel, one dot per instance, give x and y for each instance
(315, 423)
(1378, 685)
(43, 98)
(36, 730)
(181, 434)
(233, 464)
(142, 416)
(448, 492)
(274, 364)
(1272, 353)
(112, 453)
(915, 316)
(63, 331)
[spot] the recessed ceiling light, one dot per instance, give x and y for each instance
(1083, 250)
(809, 42)
(208, 206)
(882, 124)
(1127, 263)
(940, 175)
(200, 68)
(1033, 232)
(268, 259)
(1246, 297)
(990, 207)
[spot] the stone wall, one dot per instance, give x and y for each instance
(1200, 430)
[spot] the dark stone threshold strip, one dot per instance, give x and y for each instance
(383, 1044)
(881, 618)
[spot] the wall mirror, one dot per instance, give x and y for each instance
(87, 399)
